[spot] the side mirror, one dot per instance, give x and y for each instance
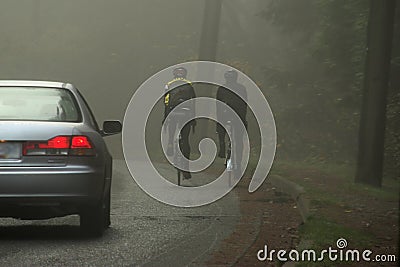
(111, 127)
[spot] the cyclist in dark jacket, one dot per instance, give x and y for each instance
(183, 90)
(238, 105)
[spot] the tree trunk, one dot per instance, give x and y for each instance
(36, 19)
(210, 30)
(208, 52)
(373, 113)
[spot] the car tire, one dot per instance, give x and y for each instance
(107, 215)
(95, 219)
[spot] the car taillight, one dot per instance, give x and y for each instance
(80, 142)
(60, 146)
(81, 146)
(59, 142)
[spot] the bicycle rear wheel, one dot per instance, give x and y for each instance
(179, 176)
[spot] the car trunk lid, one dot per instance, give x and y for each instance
(15, 134)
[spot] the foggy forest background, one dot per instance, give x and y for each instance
(308, 57)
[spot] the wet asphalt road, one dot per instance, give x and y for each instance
(144, 232)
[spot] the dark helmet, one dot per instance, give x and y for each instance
(180, 72)
(231, 76)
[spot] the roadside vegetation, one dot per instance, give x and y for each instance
(366, 216)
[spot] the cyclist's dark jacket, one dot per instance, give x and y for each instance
(234, 101)
(183, 90)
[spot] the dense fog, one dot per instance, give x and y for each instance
(307, 57)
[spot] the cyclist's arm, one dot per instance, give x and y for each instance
(220, 96)
(245, 102)
(166, 101)
(243, 107)
(193, 96)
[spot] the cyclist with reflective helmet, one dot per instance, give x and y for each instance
(182, 91)
(238, 105)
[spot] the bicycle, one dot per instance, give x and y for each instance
(230, 163)
(177, 160)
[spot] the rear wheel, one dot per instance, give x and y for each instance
(107, 216)
(95, 219)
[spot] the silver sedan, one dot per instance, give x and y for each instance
(53, 159)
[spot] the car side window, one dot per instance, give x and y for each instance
(91, 115)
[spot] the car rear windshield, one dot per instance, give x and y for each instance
(38, 104)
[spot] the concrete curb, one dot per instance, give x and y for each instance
(295, 191)
(298, 194)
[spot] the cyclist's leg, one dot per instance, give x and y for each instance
(185, 148)
(171, 135)
(238, 149)
(221, 137)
